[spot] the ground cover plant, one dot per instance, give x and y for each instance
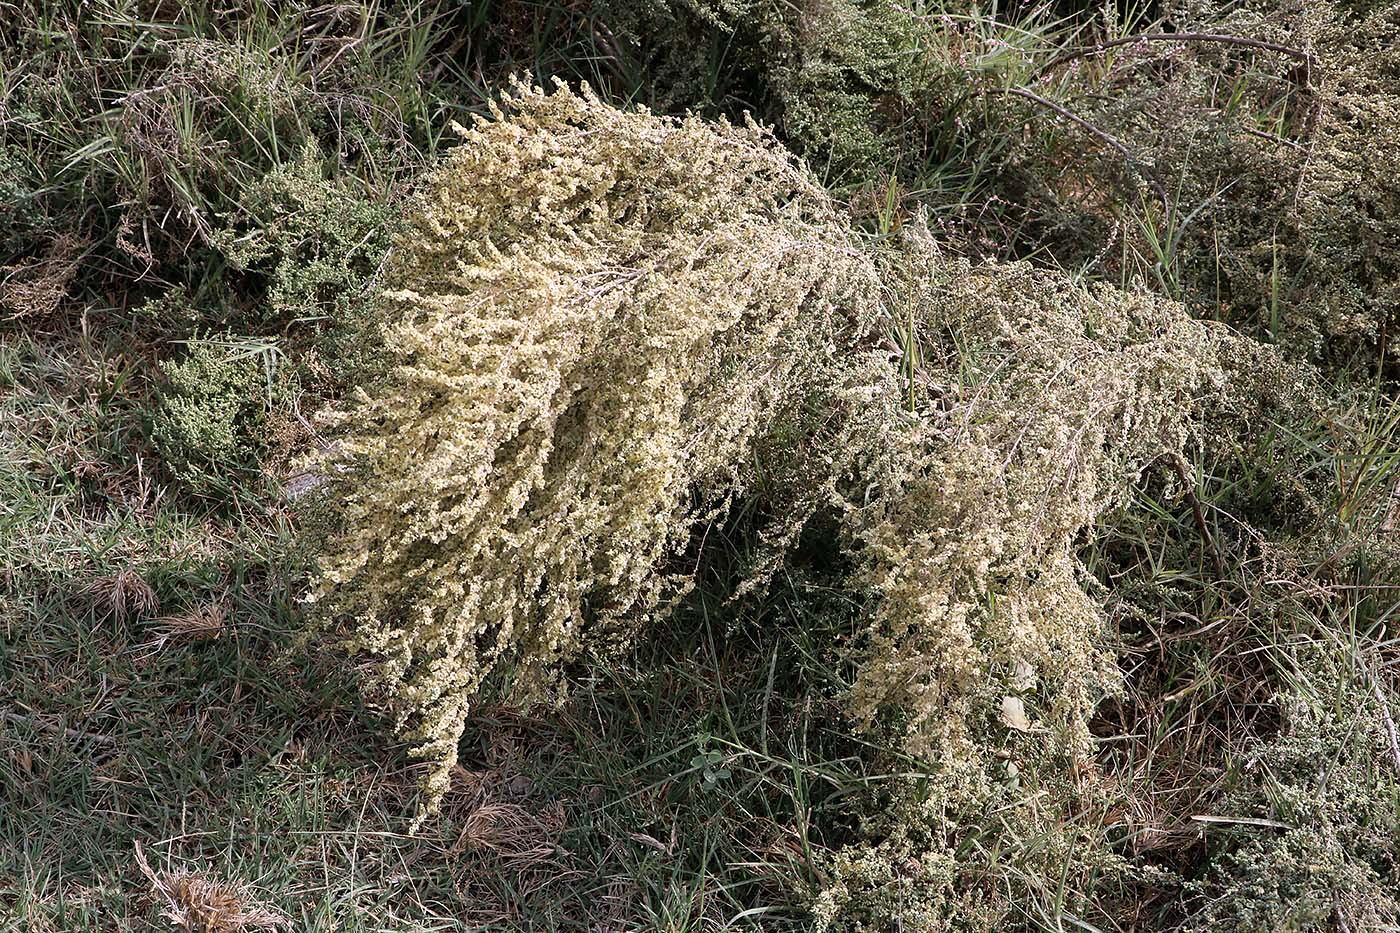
(640, 465)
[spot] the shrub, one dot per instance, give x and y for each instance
(1048, 400)
(1318, 814)
(599, 310)
(1348, 216)
(17, 196)
(844, 76)
(139, 130)
(606, 316)
(316, 240)
(312, 244)
(210, 411)
(1257, 186)
(862, 89)
(1028, 850)
(1040, 403)
(1278, 167)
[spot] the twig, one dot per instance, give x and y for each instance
(1188, 486)
(35, 722)
(1274, 139)
(1094, 131)
(1221, 38)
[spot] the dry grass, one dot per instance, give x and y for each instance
(197, 904)
(521, 838)
(37, 286)
(123, 595)
(203, 623)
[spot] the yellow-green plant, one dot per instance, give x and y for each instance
(606, 319)
(597, 311)
(1042, 402)
(212, 411)
(1030, 407)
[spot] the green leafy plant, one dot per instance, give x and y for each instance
(211, 409)
(316, 241)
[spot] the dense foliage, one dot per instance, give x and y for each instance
(599, 312)
(604, 312)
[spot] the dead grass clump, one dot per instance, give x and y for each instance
(521, 838)
(122, 595)
(203, 623)
(499, 829)
(495, 811)
(197, 904)
(36, 287)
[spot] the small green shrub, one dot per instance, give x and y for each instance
(1317, 816)
(1349, 191)
(148, 133)
(1257, 185)
(211, 408)
(18, 210)
(845, 77)
(316, 240)
(175, 310)
(1032, 848)
(861, 89)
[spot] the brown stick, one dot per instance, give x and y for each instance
(1220, 38)
(1094, 131)
(1189, 487)
(1274, 139)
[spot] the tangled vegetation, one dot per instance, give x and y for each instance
(603, 310)
(600, 310)
(1329, 777)
(656, 465)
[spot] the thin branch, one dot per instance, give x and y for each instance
(1274, 139)
(1221, 38)
(35, 722)
(1188, 485)
(1092, 130)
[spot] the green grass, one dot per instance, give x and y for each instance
(687, 778)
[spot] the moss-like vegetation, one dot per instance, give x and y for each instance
(212, 413)
(1315, 820)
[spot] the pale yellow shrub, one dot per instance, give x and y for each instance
(605, 318)
(1037, 404)
(598, 310)
(1044, 402)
